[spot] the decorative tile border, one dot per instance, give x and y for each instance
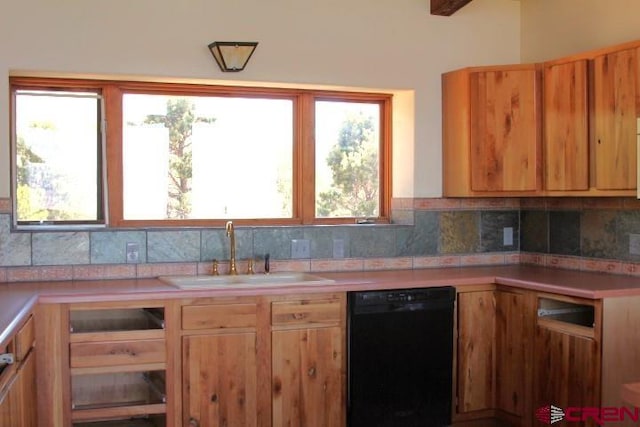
(39, 274)
(436, 261)
(582, 264)
(400, 263)
(132, 271)
(105, 272)
(347, 264)
(166, 269)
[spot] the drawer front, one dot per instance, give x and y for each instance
(305, 312)
(115, 353)
(25, 339)
(219, 316)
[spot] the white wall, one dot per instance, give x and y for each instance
(555, 28)
(393, 44)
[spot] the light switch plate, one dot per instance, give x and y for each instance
(634, 244)
(338, 248)
(300, 248)
(133, 252)
(507, 236)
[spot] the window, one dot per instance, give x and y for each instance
(58, 157)
(347, 145)
(202, 161)
(179, 154)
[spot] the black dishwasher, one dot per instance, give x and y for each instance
(400, 357)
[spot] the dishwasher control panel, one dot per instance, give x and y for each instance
(403, 295)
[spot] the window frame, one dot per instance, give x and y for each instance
(303, 180)
(45, 84)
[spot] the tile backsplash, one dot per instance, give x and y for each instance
(571, 232)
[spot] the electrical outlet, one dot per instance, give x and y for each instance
(338, 248)
(634, 244)
(133, 252)
(507, 236)
(300, 248)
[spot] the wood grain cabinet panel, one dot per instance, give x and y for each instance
(308, 381)
(476, 351)
(220, 380)
(491, 131)
(217, 316)
(566, 129)
(18, 382)
(305, 311)
(115, 353)
(566, 371)
(515, 312)
(616, 107)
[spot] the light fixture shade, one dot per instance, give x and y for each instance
(232, 56)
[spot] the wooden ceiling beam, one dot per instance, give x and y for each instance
(447, 7)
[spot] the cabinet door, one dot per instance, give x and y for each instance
(514, 336)
(219, 380)
(308, 377)
(475, 358)
(505, 144)
(18, 402)
(566, 370)
(616, 108)
(566, 131)
(10, 405)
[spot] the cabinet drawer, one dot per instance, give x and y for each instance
(305, 312)
(91, 354)
(25, 339)
(219, 316)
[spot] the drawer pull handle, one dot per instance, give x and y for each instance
(298, 316)
(7, 359)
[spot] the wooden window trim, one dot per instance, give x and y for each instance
(303, 150)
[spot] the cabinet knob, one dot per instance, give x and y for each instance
(193, 422)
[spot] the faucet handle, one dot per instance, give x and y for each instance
(266, 264)
(250, 266)
(214, 267)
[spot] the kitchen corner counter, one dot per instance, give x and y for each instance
(17, 300)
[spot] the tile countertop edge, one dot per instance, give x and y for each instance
(10, 321)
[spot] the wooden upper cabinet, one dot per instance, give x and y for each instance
(491, 137)
(616, 107)
(566, 130)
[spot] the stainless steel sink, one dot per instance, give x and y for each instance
(246, 280)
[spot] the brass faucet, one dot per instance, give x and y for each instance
(232, 243)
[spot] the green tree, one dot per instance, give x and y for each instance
(355, 171)
(179, 120)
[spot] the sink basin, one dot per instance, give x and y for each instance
(246, 280)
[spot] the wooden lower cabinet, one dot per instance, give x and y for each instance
(17, 402)
(566, 370)
(514, 339)
(264, 361)
(307, 377)
(220, 380)
(567, 366)
(494, 354)
(476, 353)
(308, 363)
(18, 383)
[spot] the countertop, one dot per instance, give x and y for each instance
(18, 299)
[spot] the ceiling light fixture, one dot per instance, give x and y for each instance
(232, 56)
